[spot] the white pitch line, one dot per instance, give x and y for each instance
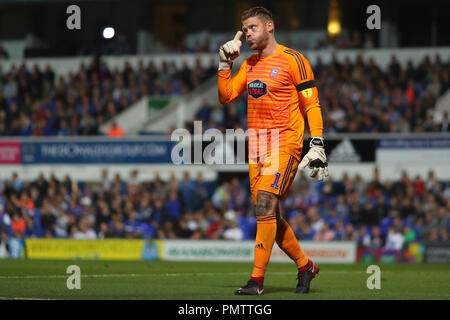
(16, 298)
(122, 275)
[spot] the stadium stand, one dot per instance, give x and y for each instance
(37, 103)
(356, 96)
(373, 213)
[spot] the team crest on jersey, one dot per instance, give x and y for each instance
(257, 89)
(274, 72)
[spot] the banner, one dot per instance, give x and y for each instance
(322, 252)
(349, 150)
(208, 250)
(11, 248)
(152, 150)
(96, 152)
(107, 249)
(10, 152)
(437, 252)
(396, 151)
(371, 255)
(344, 150)
(181, 250)
(160, 103)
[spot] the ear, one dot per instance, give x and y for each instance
(270, 26)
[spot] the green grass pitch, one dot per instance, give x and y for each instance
(164, 280)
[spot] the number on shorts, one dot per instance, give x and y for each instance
(275, 184)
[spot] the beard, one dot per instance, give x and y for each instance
(260, 42)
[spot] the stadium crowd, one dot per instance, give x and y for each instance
(37, 103)
(358, 97)
(376, 214)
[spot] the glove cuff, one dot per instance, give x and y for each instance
(224, 66)
(316, 142)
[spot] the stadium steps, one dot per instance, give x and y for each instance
(140, 118)
(181, 110)
(131, 119)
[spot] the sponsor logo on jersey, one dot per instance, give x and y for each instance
(257, 89)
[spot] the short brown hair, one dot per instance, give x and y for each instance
(257, 12)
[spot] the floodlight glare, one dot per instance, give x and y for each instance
(108, 32)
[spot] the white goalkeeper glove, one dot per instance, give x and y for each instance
(316, 159)
(230, 51)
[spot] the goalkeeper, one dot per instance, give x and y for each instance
(281, 92)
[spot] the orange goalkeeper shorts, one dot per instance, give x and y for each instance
(272, 174)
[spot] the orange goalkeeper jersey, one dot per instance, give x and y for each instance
(280, 90)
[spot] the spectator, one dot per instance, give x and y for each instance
(394, 239)
(445, 123)
(105, 181)
(48, 220)
(84, 232)
(233, 232)
(317, 221)
(16, 183)
(201, 192)
(363, 237)
(187, 192)
(377, 240)
(173, 207)
(117, 229)
(324, 234)
(409, 234)
(115, 131)
(18, 225)
(203, 114)
(339, 230)
(443, 234)
(61, 226)
(132, 226)
(349, 233)
(33, 230)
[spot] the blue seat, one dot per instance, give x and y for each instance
(385, 224)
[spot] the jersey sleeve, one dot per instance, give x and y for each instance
(303, 78)
(231, 88)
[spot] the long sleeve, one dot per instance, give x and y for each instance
(313, 112)
(231, 88)
(308, 94)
